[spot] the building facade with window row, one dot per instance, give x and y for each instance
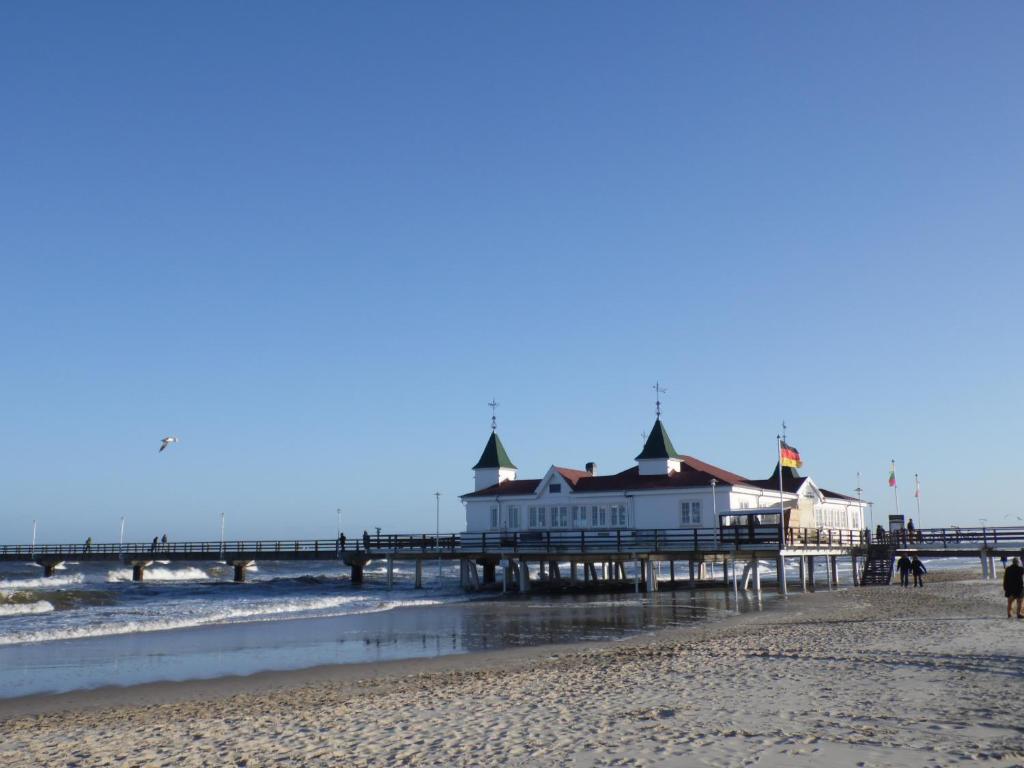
(664, 490)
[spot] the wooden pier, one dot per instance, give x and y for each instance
(593, 557)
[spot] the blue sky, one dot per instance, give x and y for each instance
(314, 240)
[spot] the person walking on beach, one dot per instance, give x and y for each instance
(1013, 586)
(919, 571)
(903, 565)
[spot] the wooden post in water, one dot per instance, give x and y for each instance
(780, 570)
(357, 573)
(391, 572)
(690, 561)
(138, 571)
(524, 577)
(834, 568)
(756, 566)
(419, 575)
(810, 572)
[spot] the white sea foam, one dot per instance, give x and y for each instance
(43, 582)
(19, 609)
(261, 611)
(160, 574)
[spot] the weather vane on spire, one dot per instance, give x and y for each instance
(658, 392)
(783, 430)
(494, 414)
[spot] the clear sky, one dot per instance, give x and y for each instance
(312, 240)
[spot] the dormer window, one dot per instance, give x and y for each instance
(554, 487)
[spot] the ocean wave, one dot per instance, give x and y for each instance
(257, 612)
(18, 609)
(44, 582)
(160, 574)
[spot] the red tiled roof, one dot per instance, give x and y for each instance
(572, 476)
(694, 473)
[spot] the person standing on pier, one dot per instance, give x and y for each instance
(919, 571)
(341, 541)
(903, 565)
(1013, 586)
(88, 544)
(366, 540)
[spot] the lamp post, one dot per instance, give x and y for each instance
(120, 541)
(33, 537)
(860, 505)
(339, 524)
(222, 535)
(437, 532)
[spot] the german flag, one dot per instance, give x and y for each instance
(789, 456)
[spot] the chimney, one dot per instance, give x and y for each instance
(591, 468)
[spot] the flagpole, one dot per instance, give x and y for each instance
(895, 485)
(782, 509)
(917, 499)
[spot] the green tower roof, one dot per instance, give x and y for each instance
(494, 455)
(658, 445)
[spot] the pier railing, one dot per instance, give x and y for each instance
(954, 537)
(655, 541)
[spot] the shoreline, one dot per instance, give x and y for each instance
(869, 676)
(167, 691)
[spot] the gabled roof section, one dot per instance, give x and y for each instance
(507, 488)
(722, 475)
(572, 476)
(658, 445)
(834, 495)
(494, 455)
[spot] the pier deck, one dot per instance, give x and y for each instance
(515, 550)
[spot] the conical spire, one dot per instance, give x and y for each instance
(494, 455)
(658, 445)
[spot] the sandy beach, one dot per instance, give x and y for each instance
(867, 677)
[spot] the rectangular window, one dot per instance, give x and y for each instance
(554, 487)
(575, 517)
(564, 516)
(533, 517)
(623, 522)
(684, 513)
(600, 512)
(542, 518)
(695, 512)
(513, 517)
(494, 517)
(583, 517)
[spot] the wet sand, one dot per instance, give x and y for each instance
(874, 676)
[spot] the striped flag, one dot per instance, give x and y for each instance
(892, 475)
(789, 456)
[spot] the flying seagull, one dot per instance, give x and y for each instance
(165, 442)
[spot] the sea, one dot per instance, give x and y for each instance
(90, 625)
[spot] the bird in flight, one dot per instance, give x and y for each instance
(165, 442)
